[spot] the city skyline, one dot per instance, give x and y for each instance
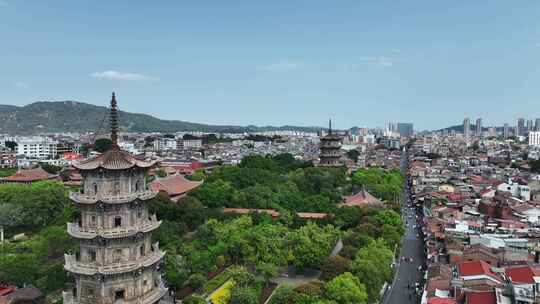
(284, 63)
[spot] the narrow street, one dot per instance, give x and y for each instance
(407, 273)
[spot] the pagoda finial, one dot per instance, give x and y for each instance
(330, 126)
(114, 122)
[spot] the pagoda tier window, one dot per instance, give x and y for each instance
(117, 222)
(117, 255)
(95, 188)
(138, 186)
(141, 250)
(92, 255)
(119, 296)
(116, 188)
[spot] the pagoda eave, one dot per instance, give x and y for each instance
(89, 234)
(83, 199)
(78, 268)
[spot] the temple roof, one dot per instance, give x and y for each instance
(362, 198)
(29, 175)
(174, 185)
(114, 158)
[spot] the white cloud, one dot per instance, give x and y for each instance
(282, 66)
(21, 85)
(116, 75)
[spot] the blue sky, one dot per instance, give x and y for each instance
(279, 62)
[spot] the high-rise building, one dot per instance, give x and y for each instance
(520, 129)
(530, 125)
(467, 128)
(330, 149)
(534, 139)
(405, 129)
(116, 261)
(479, 127)
(392, 127)
(506, 131)
(537, 124)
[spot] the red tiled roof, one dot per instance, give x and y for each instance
(473, 268)
(481, 297)
(522, 274)
(362, 198)
(486, 191)
(174, 185)
(30, 175)
(436, 300)
(4, 290)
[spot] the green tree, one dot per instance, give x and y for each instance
(160, 173)
(311, 245)
(19, 269)
(373, 266)
(389, 217)
(284, 294)
(215, 194)
(196, 281)
(314, 288)
(353, 155)
(267, 270)
(11, 145)
(102, 144)
(334, 267)
(41, 203)
(346, 289)
(10, 215)
(51, 169)
(535, 166)
(194, 300)
(244, 295)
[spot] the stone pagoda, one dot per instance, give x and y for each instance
(330, 147)
(116, 262)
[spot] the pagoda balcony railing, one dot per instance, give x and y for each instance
(74, 266)
(111, 199)
(77, 231)
(151, 297)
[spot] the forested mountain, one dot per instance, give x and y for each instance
(74, 116)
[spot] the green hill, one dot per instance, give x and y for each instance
(73, 116)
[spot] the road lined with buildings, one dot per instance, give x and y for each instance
(408, 273)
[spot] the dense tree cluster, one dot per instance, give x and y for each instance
(36, 206)
(41, 208)
(261, 247)
(273, 183)
(201, 240)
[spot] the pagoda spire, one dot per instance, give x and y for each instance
(114, 122)
(330, 126)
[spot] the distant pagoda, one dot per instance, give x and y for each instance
(330, 147)
(117, 262)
